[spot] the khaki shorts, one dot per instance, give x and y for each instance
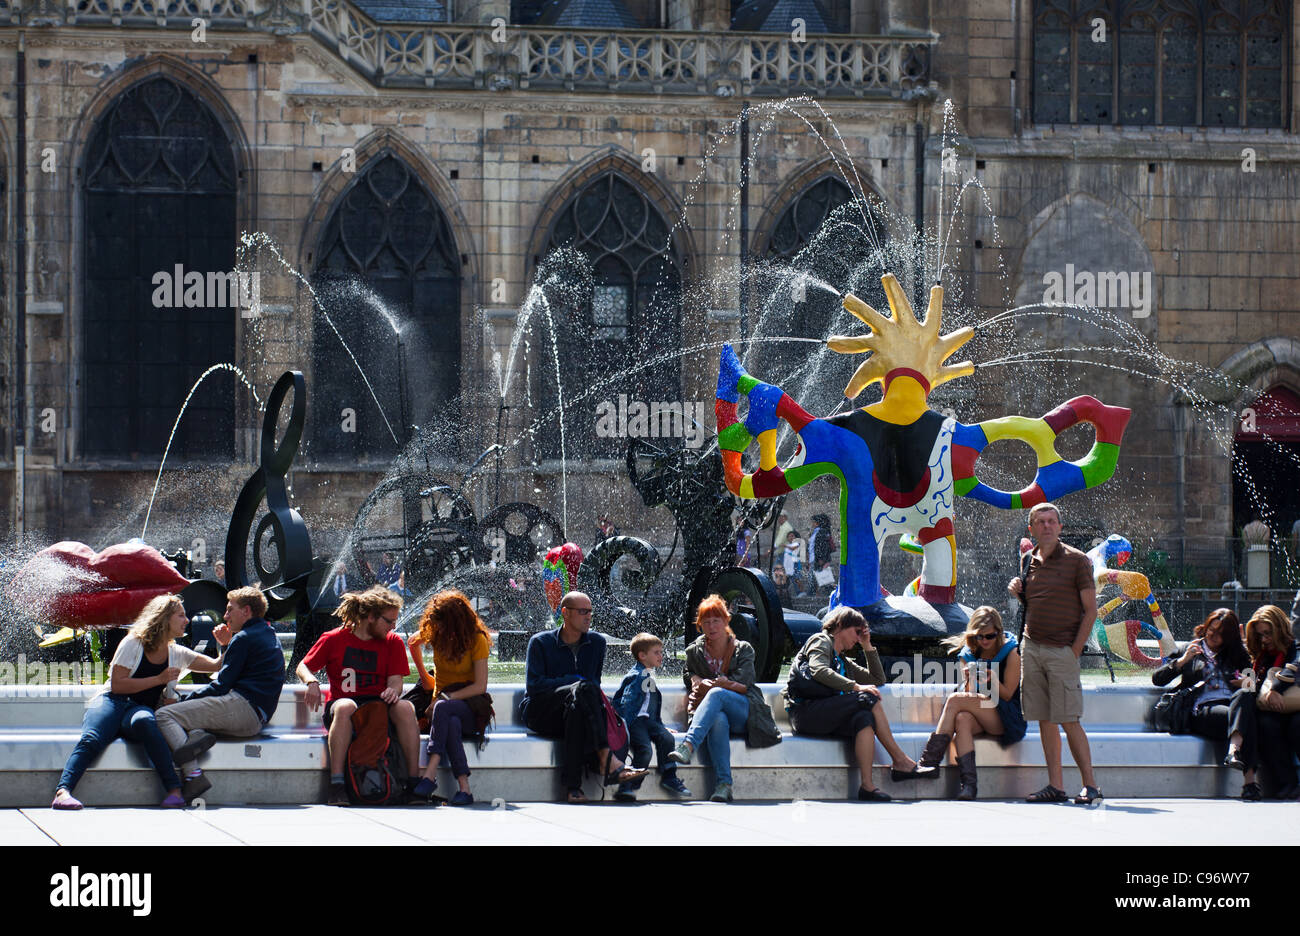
(1050, 689)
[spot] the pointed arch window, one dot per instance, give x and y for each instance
(160, 194)
(632, 316)
(388, 273)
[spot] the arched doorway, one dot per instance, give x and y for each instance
(1266, 471)
(386, 236)
(159, 200)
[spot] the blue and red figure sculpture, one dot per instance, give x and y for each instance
(899, 463)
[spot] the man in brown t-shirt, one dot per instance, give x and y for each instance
(1060, 608)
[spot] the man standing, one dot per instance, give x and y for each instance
(239, 701)
(1061, 605)
(562, 697)
(784, 526)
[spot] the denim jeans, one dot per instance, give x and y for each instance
(644, 738)
(107, 717)
(721, 713)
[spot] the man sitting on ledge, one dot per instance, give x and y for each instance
(365, 660)
(562, 697)
(239, 701)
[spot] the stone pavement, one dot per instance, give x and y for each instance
(1115, 822)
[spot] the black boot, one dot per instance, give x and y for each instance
(966, 770)
(935, 749)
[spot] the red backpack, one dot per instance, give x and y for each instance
(376, 768)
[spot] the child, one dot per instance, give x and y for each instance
(639, 701)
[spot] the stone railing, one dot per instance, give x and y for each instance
(467, 56)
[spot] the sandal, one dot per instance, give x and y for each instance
(625, 774)
(577, 796)
(1048, 794)
(1087, 796)
(1251, 792)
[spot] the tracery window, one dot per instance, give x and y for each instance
(1217, 63)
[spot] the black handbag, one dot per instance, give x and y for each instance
(801, 687)
(1173, 712)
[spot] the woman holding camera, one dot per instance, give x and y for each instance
(990, 663)
(1215, 661)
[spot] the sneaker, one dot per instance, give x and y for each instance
(682, 754)
(338, 795)
(66, 801)
(173, 801)
(196, 742)
(625, 793)
(425, 789)
(721, 793)
(194, 787)
(674, 784)
(462, 799)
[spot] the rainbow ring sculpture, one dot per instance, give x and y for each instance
(1120, 638)
(899, 463)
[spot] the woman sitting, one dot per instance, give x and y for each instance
(990, 664)
(723, 695)
(143, 674)
(830, 694)
(1267, 735)
(461, 706)
(1212, 667)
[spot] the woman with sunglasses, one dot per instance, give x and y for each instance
(828, 694)
(1213, 664)
(1267, 735)
(989, 702)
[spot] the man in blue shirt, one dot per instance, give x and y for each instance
(239, 701)
(562, 697)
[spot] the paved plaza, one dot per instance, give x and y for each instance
(1116, 823)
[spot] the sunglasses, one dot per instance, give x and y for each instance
(993, 636)
(578, 610)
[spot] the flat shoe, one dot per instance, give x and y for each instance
(66, 802)
(1234, 761)
(873, 796)
(916, 773)
(1251, 792)
(577, 796)
(1048, 794)
(173, 801)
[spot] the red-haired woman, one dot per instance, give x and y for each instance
(720, 674)
(460, 645)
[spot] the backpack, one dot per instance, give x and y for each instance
(376, 768)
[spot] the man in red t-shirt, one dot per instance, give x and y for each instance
(364, 660)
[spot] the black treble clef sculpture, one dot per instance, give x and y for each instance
(286, 582)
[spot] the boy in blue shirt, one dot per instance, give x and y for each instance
(639, 701)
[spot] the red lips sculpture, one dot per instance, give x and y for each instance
(70, 585)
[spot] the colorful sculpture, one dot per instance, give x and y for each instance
(900, 464)
(1119, 638)
(560, 573)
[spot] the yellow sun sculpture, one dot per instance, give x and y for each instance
(902, 347)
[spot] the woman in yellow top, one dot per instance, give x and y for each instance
(460, 645)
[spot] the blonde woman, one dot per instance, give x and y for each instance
(989, 703)
(1266, 731)
(143, 675)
